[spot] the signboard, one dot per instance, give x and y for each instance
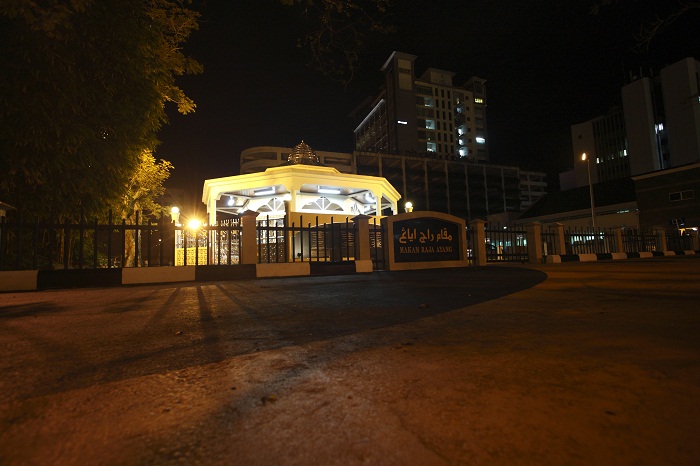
(426, 239)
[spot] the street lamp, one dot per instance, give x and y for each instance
(586, 159)
(409, 207)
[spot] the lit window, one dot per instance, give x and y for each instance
(431, 147)
(401, 122)
(480, 140)
(478, 100)
(429, 124)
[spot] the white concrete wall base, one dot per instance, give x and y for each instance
(669, 253)
(556, 259)
(364, 266)
(645, 255)
(18, 280)
(587, 257)
(619, 255)
(689, 253)
(293, 269)
(141, 275)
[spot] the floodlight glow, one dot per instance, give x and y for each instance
(194, 224)
(480, 140)
(230, 201)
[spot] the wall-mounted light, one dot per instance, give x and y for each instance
(328, 191)
(409, 207)
(230, 201)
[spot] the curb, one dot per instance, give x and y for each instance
(557, 259)
(33, 280)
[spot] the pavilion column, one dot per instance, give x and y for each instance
(211, 208)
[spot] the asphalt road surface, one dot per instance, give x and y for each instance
(561, 364)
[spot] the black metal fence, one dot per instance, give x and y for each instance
(675, 241)
(635, 240)
(86, 244)
(589, 241)
(152, 242)
(321, 242)
(550, 242)
(506, 243)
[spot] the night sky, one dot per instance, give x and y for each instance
(548, 65)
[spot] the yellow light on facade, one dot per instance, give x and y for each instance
(194, 224)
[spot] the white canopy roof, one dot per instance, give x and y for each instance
(307, 188)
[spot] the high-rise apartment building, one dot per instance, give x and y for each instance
(657, 127)
(428, 116)
(604, 140)
(428, 138)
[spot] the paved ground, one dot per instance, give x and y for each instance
(578, 363)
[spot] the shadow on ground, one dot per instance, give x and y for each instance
(162, 328)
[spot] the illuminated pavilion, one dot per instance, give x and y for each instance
(300, 188)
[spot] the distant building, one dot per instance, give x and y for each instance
(652, 140)
(615, 207)
(425, 116)
(604, 140)
(669, 198)
(457, 187)
(657, 127)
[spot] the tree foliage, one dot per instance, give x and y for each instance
(337, 32)
(82, 94)
(146, 184)
(657, 16)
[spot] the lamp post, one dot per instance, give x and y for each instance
(586, 159)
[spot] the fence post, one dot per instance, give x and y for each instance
(248, 252)
(662, 239)
(619, 245)
(561, 240)
(478, 241)
(534, 242)
(362, 251)
(695, 241)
